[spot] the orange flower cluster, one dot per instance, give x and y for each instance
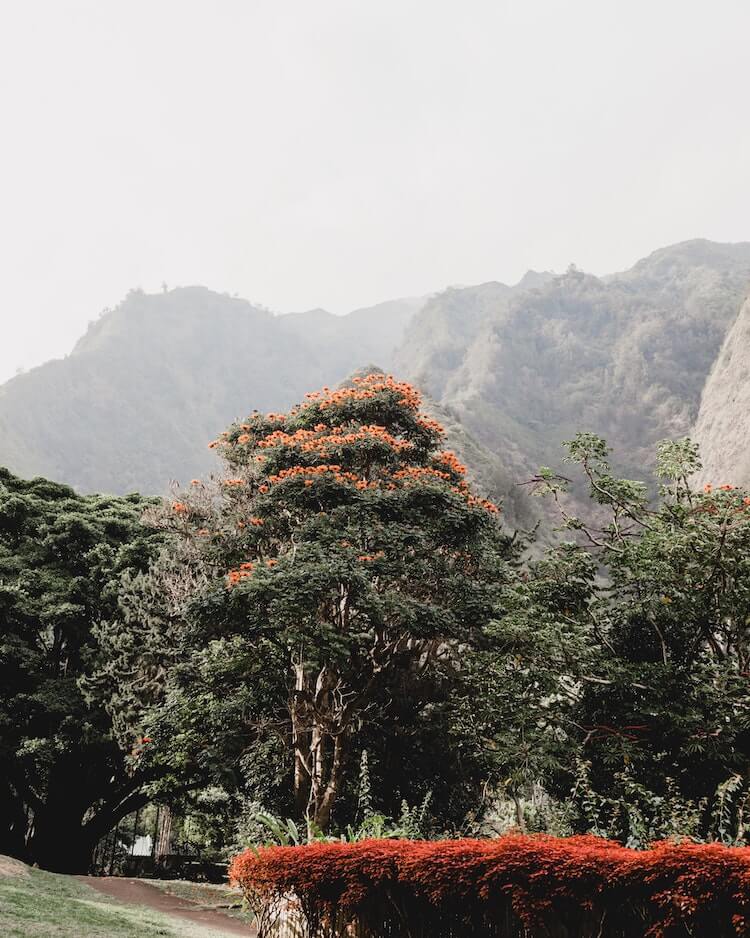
(426, 423)
(294, 471)
(221, 441)
(365, 558)
(309, 441)
(449, 459)
(409, 475)
(233, 482)
(180, 508)
(365, 389)
(256, 522)
(485, 503)
(420, 472)
(244, 570)
(711, 508)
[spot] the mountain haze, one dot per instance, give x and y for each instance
(154, 380)
(511, 370)
(625, 356)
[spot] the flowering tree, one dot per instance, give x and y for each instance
(345, 551)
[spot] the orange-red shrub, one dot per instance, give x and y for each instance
(514, 886)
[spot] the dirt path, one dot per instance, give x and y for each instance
(137, 892)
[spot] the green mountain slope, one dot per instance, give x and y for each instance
(625, 356)
(153, 381)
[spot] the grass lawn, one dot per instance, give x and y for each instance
(35, 904)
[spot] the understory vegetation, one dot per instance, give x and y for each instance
(339, 639)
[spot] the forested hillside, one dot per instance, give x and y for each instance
(625, 356)
(513, 371)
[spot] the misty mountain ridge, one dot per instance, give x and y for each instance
(513, 370)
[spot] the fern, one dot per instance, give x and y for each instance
(726, 812)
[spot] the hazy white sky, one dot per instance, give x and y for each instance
(339, 152)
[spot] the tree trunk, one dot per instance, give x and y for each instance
(320, 725)
(13, 825)
(300, 743)
(164, 835)
(60, 843)
(59, 839)
(335, 776)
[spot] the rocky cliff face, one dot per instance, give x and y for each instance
(722, 429)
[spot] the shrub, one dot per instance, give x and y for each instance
(516, 886)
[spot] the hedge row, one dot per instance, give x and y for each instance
(514, 887)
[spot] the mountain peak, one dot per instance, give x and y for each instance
(533, 279)
(153, 380)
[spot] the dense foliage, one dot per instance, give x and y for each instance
(651, 644)
(338, 632)
(509, 887)
(64, 779)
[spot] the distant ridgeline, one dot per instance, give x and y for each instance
(512, 371)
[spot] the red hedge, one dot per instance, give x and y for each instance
(513, 886)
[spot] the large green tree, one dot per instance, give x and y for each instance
(650, 640)
(65, 781)
(332, 587)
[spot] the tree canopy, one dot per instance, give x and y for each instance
(65, 781)
(652, 645)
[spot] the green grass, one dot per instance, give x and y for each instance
(36, 904)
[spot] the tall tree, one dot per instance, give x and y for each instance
(656, 694)
(345, 557)
(64, 779)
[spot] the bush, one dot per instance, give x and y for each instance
(516, 886)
